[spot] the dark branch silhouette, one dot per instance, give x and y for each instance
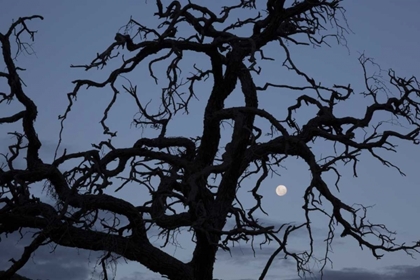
(178, 171)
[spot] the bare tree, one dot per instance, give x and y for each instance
(186, 167)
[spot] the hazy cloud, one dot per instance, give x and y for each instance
(245, 256)
(141, 276)
(389, 273)
(400, 272)
(48, 262)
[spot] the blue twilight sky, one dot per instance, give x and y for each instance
(74, 31)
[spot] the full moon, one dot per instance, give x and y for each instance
(281, 190)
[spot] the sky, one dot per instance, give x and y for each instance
(74, 31)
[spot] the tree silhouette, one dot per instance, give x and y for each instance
(178, 171)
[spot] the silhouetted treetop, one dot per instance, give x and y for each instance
(193, 182)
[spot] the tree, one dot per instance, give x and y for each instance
(179, 171)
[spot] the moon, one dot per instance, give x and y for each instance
(281, 190)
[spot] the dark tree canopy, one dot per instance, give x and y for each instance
(179, 172)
